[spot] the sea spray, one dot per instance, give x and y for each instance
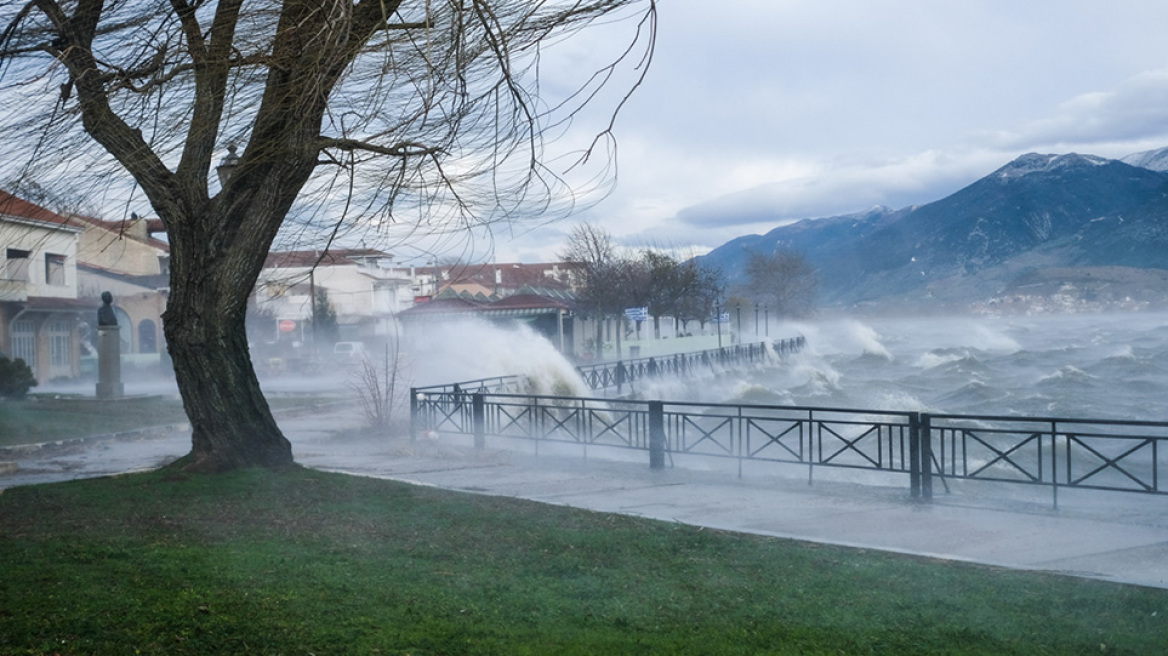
(987, 338)
(945, 365)
(472, 349)
(868, 339)
(715, 382)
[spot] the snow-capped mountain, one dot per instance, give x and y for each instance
(1156, 160)
(1037, 212)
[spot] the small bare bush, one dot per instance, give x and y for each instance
(378, 383)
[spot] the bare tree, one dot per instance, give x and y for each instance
(684, 290)
(783, 280)
(699, 289)
(603, 288)
(660, 285)
(423, 112)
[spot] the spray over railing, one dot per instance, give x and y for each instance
(1125, 456)
(619, 375)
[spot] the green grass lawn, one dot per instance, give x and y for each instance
(47, 418)
(44, 419)
(304, 562)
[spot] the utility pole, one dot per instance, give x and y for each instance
(312, 299)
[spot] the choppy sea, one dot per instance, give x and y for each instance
(1111, 366)
(1086, 366)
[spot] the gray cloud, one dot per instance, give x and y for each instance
(1135, 109)
(758, 112)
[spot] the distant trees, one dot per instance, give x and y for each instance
(604, 287)
(325, 329)
(684, 290)
(704, 286)
(783, 281)
(614, 280)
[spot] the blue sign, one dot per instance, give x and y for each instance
(637, 314)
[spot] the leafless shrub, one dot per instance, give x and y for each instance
(380, 385)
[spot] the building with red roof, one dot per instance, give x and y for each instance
(40, 312)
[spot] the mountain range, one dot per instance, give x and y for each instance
(1044, 232)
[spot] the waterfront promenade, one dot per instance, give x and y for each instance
(1111, 536)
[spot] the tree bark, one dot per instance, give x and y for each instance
(218, 248)
(215, 262)
(231, 424)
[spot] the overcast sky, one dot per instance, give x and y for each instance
(759, 112)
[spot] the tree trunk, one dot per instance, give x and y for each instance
(231, 424)
(620, 329)
(217, 252)
(600, 319)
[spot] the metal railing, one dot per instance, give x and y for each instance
(626, 373)
(813, 437)
(1097, 454)
(1126, 456)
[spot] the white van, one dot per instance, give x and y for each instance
(349, 351)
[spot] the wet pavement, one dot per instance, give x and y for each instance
(1112, 536)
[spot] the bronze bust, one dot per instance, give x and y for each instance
(105, 314)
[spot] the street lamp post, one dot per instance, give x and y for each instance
(756, 320)
(718, 322)
(227, 166)
(766, 315)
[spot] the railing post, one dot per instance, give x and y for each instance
(926, 433)
(656, 435)
(479, 419)
(1054, 461)
(413, 413)
(914, 453)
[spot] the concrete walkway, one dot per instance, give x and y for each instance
(1117, 537)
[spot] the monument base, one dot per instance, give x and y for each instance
(109, 363)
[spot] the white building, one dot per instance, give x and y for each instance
(362, 286)
(40, 314)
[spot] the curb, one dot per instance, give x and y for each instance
(137, 433)
(141, 433)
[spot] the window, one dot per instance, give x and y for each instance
(23, 339)
(125, 330)
(147, 337)
(60, 344)
(16, 264)
(54, 269)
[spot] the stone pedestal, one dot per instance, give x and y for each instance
(109, 363)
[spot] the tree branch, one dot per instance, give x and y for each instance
(98, 118)
(400, 149)
(212, 66)
(369, 16)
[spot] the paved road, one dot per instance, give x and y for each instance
(1118, 537)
